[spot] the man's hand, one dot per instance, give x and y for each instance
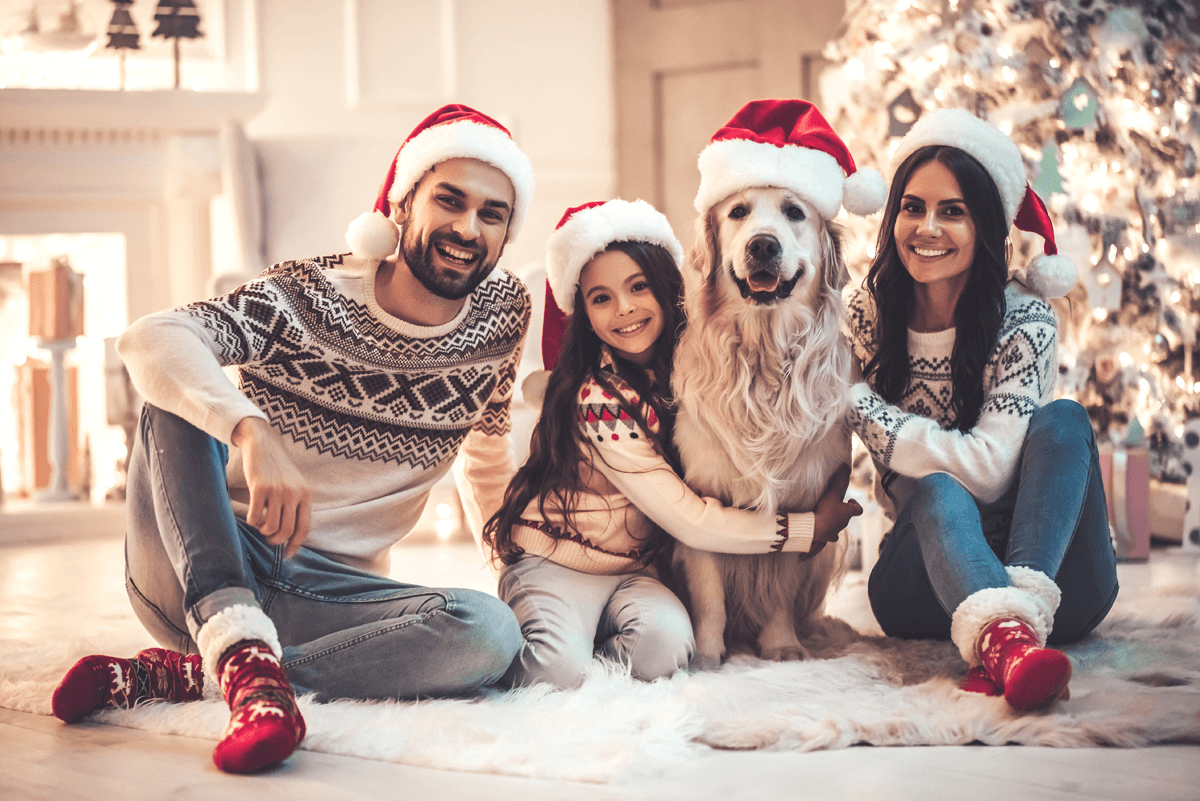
(832, 514)
(280, 501)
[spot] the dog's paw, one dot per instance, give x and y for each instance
(787, 653)
(707, 659)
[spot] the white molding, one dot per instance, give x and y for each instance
(417, 93)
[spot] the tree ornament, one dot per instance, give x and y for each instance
(903, 112)
(122, 33)
(1049, 180)
(1079, 106)
(177, 19)
(1104, 286)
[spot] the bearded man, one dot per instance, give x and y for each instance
(261, 518)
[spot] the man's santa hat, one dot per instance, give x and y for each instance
(582, 233)
(787, 144)
(1049, 274)
(451, 132)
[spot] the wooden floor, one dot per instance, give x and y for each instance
(61, 568)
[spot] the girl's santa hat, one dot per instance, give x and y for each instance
(451, 132)
(583, 232)
(787, 144)
(1050, 275)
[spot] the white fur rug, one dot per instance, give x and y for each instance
(1136, 682)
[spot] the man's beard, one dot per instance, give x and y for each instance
(445, 284)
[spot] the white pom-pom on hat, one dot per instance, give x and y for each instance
(373, 236)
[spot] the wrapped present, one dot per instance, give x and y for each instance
(56, 303)
(1125, 470)
(1191, 466)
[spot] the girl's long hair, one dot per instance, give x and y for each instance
(557, 447)
(981, 307)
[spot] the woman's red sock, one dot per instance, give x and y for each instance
(109, 682)
(1030, 676)
(265, 725)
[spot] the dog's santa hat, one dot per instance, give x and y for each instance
(1049, 274)
(787, 144)
(451, 132)
(583, 232)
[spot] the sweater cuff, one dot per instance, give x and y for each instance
(794, 532)
(860, 392)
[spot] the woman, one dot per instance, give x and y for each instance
(584, 516)
(1001, 539)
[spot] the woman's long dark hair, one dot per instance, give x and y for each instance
(981, 307)
(557, 446)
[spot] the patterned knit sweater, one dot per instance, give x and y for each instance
(630, 490)
(917, 438)
(372, 409)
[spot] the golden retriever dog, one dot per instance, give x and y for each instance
(761, 377)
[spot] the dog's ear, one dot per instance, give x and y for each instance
(704, 242)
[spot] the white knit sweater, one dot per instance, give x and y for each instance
(916, 437)
(372, 409)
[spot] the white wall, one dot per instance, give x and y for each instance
(543, 68)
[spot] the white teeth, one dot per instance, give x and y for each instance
(929, 254)
(455, 253)
(629, 329)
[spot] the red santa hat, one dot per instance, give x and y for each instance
(451, 132)
(1049, 274)
(787, 144)
(583, 232)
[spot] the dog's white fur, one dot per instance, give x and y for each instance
(761, 385)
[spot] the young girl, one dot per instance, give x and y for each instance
(1001, 541)
(580, 523)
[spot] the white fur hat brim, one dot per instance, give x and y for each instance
(731, 165)
(959, 128)
(591, 231)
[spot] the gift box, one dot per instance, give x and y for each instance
(56, 303)
(1125, 470)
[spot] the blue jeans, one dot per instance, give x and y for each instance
(345, 633)
(937, 553)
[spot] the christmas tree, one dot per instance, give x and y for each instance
(177, 19)
(1103, 100)
(122, 32)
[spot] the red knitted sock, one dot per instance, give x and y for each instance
(1031, 676)
(108, 682)
(265, 725)
(977, 681)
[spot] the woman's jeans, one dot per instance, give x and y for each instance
(937, 553)
(345, 633)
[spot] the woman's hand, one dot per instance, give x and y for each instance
(832, 513)
(280, 500)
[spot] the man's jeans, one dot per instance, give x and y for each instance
(937, 554)
(345, 633)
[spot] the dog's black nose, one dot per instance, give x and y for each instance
(763, 247)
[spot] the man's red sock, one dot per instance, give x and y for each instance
(109, 682)
(1030, 676)
(265, 725)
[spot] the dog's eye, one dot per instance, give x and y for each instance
(738, 212)
(793, 213)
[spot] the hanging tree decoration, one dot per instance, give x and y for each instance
(122, 33)
(177, 19)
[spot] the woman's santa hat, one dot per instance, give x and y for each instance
(582, 233)
(452, 132)
(787, 144)
(1050, 275)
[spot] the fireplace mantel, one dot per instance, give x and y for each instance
(143, 164)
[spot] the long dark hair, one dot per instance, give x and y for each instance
(557, 446)
(981, 307)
